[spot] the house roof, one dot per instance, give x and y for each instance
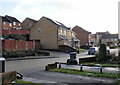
(5, 19)
(57, 23)
(63, 37)
(34, 21)
(76, 39)
(110, 36)
(81, 28)
(101, 33)
(12, 19)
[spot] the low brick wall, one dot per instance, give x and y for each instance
(51, 66)
(88, 59)
(7, 77)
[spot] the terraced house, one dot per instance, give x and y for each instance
(13, 37)
(9, 23)
(104, 38)
(28, 23)
(52, 34)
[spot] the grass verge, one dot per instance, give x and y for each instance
(87, 73)
(104, 65)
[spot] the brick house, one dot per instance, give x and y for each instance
(13, 37)
(104, 38)
(9, 23)
(28, 23)
(52, 34)
(82, 35)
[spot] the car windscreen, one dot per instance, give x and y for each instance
(92, 49)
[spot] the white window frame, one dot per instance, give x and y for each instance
(19, 24)
(14, 23)
(4, 23)
(10, 24)
(65, 32)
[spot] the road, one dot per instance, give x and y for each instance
(34, 68)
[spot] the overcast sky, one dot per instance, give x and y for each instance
(91, 15)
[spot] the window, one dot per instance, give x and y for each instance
(38, 30)
(14, 23)
(5, 28)
(10, 24)
(73, 34)
(115, 39)
(111, 39)
(19, 24)
(4, 23)
(65, 32)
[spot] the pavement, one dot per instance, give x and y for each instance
(55, 77)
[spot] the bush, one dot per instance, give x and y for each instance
(102, 55)
(23, 53)
(13, 54)
(44, 53)
(30, 52)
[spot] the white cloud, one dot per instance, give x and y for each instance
(92, 15)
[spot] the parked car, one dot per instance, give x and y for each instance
(92, 50)
(108, 50)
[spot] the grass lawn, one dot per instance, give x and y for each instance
(86, 73)
(103, 64)
(82, 49)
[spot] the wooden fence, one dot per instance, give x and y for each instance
(19, 45)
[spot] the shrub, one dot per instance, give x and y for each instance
(102, 53)
(30, 52)
(44, 53)
(23, 53)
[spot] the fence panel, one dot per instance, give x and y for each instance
(9, 44)
(20, 45)
(30, 45)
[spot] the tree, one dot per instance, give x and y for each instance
(102, 53)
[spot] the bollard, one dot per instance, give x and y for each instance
(2, 65)
(59, 65)
(100, 68)
(81, 67)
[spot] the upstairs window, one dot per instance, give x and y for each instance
(10, 24)
(19, 24)
(115, 39)
(4, 23)
(38, 30)
(14, 23)
(65, 32)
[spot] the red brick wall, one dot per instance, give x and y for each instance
(5, 32)
(82, 35)
(6, 26)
